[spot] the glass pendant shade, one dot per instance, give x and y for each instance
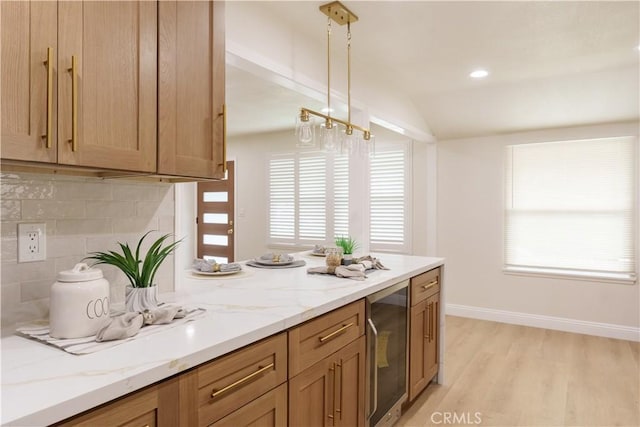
(305, 132)
(330, 136)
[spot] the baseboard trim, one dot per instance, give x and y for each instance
(608, 330)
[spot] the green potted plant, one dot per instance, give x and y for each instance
(142, 292)
(348, 245)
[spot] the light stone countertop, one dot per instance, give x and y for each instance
(42, 384)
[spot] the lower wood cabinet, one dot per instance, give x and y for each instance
(332, 391)
(423, 332)
(220, 388)
(156, 405)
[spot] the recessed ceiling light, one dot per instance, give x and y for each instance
(327, 110)
(479, 74)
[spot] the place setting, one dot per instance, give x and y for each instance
(275, 261)
(208, 269)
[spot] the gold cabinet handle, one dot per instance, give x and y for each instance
(49, 125)
(74, 103)
(215, 393)
(434, 323)
(430, 285)
(427, 323)
(224, 138)
(340, 389)
(332, 386)
(336, 332)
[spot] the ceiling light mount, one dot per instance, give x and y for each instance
(339, 14)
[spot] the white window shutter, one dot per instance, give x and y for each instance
(389, 199)
(282, 200)
(312, 199)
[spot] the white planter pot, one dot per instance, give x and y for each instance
(141, 299)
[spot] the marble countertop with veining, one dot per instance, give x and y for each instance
(42, 384)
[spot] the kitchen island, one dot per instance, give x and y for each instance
(43, 385)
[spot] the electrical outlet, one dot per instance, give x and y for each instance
(32, 242)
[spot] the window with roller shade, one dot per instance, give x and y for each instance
(571, 208)
(308, 198)
(390, 198)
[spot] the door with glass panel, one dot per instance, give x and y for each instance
(216, 218)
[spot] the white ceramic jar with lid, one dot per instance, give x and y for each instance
(79, 303)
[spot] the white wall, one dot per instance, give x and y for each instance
(470, 230)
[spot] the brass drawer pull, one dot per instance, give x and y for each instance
(336, 332)
(216, 393)
(430, 285)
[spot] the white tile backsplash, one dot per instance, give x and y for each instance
(82, 215)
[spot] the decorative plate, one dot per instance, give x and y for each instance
(271, 262)
(214, 273)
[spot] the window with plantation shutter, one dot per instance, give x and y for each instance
(308, 198)
(282, 198)
(389, 197)
(571, 208)
(312, 198)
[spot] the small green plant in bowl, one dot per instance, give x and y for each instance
(142, 292)
(348, 245)
(140, 271)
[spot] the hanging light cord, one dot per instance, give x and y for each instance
(349, 71)
(328, 121)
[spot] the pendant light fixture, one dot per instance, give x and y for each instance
(333, 131)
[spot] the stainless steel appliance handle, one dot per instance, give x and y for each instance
(375, 367)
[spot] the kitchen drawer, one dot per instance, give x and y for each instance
(232, 381)
(324, 335)
(270, 409)
(424, 285)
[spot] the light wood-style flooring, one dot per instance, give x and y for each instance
(520, 376)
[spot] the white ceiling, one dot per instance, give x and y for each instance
(552, 64)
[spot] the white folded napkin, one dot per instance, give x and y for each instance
(319, 249)
(128, 324)
(275, 257)
(355, 270)
(211, 266)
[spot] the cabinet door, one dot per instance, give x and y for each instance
(423, 343)
(109, 119)
(350, 390)
(331, 392)
(191, 89)
(28, 89)
(311, 397)
(269, 410)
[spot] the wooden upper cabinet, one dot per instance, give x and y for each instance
(109, 120)
(28, 29)
(191, 89)
(115, 46)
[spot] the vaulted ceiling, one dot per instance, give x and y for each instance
(551, 63)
